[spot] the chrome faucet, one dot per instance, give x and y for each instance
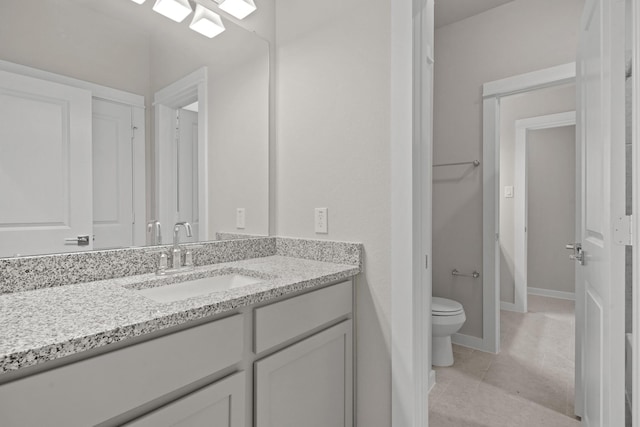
(176, 252)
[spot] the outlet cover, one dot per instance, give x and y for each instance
(321, 221)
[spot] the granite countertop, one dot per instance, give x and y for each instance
(46, 324)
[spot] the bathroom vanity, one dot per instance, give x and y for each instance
(275, 352)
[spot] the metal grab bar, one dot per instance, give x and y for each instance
(455, 272)
(475, 163)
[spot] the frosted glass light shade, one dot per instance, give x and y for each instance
(238, 8)
(138, 1)
(206, 22)
(176, 10)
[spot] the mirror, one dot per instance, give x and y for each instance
(114, 116)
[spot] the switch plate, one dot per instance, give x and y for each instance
(240, 216)
(321, 220)
(508, 191)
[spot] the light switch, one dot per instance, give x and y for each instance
(321, 220)
(240, 216)
(508, 191)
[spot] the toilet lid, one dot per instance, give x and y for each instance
(445, 307)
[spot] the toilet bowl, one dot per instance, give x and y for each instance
(447, 317)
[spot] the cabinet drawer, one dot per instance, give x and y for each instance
(96, 389)
(279, 322)
(220, 404)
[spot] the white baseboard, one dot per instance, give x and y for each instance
(471, 342)
(509, 306)
(552, 294)
(432, 380)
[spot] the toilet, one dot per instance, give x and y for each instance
(447, 317)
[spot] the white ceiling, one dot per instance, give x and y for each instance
(450, 11)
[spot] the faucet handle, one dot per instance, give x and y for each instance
(188, 258)
(164, 261)
(176, 257)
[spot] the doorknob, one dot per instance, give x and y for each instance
(578, 254)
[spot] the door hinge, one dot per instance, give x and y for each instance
(622, 230)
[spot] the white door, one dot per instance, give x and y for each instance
(600, 281)
(112, 175)
(187, 172)
(45, 166)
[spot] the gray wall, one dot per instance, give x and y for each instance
(333, 150)
(518, 37)
(551, 163)
(515, 107)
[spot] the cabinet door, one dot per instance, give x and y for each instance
(309, 384)
(220, 404)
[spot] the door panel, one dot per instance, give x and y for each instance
(45, 167)
(593, 346)
(600, 279)
(112, 175)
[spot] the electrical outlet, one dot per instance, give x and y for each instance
(321, 221)
(240, 216)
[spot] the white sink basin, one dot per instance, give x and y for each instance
(197, 287)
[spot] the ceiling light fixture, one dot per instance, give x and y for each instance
(238, 8)
(175, 10)
(206, 22)
(138, 1)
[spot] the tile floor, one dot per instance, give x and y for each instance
(530, 383)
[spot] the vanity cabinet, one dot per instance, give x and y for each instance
(283, 363)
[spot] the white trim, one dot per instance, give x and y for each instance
(509, 306)
(552, 294)
(472, 342)
(177, 94)
(635, 121)
(97, 91)
(490, 225)
(521, 195)
(492, 92)
(553, 76)
(403, 378)
(139, 176)
(410, 212)
(432, 380)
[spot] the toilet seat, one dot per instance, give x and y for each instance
(445, 307)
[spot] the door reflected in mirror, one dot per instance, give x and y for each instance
(99, 134)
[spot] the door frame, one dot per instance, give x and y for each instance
(492, 92)
(521, 197)
(176, 95)
(411, 158)
(635, 124)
